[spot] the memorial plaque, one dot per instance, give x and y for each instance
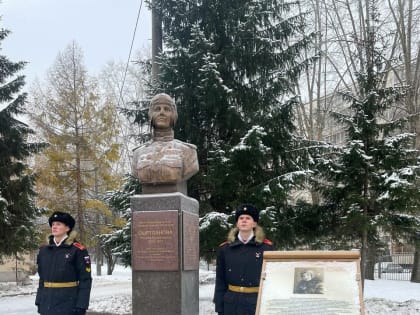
(190, 241)
(155, 240)
(310, 282)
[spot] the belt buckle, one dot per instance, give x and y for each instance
(241, 289)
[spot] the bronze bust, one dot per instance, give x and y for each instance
(164, 164)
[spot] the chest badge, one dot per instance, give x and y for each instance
(87, 260)
(67, 255)
(257, 254)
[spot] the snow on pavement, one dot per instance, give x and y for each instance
(112, 294)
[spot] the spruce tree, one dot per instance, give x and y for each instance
(118, 242)
(18, 212)
(231, 67)
(369, 185)
(214, 227)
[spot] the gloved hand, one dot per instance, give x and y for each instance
(79, 311)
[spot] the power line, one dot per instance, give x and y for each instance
(129, 54)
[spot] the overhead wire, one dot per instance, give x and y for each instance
(129, 54)
(120, 96)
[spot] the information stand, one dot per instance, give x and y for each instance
(310, 282)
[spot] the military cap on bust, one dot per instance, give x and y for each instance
(63, 217)
(162, 98)
(247, 209)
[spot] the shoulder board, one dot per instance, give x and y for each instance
(224, 243)
(79, 246)
(267, 241)
(190, 145)
(143, 145)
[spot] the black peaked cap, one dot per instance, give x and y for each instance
(63, 217)
(247, 209)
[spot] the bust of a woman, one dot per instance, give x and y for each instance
(164, 164)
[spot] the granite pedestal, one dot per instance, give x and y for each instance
(165, 254)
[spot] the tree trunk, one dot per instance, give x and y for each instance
(98, 259)
(363, 254)
(370, 262)
(16, 266)
(111, 264)
(415, 274)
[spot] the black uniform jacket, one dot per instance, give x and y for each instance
(238, 264)
(69, 262)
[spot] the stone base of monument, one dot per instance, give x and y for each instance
(165, 257)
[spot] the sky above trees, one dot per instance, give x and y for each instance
(103, 29)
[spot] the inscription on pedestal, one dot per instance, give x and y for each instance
(155, 240)
(190, 241)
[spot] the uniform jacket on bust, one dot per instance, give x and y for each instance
(239, 264)
(67, 263)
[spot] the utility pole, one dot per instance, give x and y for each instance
(156, 39)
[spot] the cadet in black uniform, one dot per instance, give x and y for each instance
(64, 271)
(239, 263)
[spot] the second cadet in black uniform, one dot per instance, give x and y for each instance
(239, 264)
(64, 271)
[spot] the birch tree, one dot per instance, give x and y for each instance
(406, 18)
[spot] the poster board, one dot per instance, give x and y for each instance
(310, 282)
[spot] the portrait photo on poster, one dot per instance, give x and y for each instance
(309, 281)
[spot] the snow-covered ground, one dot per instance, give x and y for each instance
(112, 294)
